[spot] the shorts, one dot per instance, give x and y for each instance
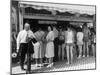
(80, 43)
(85, 39)
(61, 42)
(69, 44)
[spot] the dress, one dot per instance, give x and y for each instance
(38, 47)
(50, 45)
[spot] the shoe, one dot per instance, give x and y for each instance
(40, 65)
(67, 63)
(79, 56)
(36, 65)
(87, 55)
(50, 65)
(23, 68)
(83, 55)
(46, 63)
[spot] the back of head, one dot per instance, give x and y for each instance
(27, 26)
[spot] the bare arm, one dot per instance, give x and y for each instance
(18, 41)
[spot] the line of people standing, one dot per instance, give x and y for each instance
(53, 44)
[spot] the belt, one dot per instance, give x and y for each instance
(23, 43)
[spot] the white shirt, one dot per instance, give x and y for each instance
(55, 32)
(69, 37)
(50, 36)
(23, 35)
(80, 36)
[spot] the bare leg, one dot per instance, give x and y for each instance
(63, 46)
(71, 52)
(93, 49)
(59, 52)
(80, 51)
(84, 49)
(36, 60)
(67, 50)
(87, 49)
(41, 62)
(50, 62)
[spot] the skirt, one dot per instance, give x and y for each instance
(36, 50)
(49, 50)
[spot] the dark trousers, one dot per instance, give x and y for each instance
(22, 53)
(56, 49)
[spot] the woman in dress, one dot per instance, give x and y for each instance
(50, 46)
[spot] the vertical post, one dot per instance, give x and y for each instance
(20, 17)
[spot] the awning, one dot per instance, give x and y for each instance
(73, 9)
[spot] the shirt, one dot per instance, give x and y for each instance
(86, 32)
(23, 35)
(80, 36)
(61, 35)
(55, 33)
(50, 36)
(69, 37)
(39, 35)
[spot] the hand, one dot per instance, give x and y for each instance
(17, 50)
(14, 54)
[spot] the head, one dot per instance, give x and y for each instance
(54, 28)
(27, 26)
(79, 29)
(60, 29)
(40, 29)
(85, 26)
(69, 29)
(50, 28)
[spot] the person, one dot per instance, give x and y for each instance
(86, 41)
(93, 41)
(61, 45)
(38, 47)
(55, 43)
(50, 46)
(69, 41)
(80, 41)
(13, 40)
(23, 39)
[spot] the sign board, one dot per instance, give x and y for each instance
(47, 22)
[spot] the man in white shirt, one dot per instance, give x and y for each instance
(80, 41)
(23, 39)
